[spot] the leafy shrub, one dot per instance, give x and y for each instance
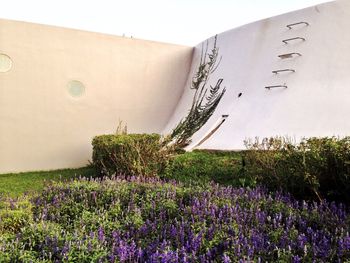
(317, 167)
(206, 166)
(131, 154)
(141, 219)
(328, 159)
(14, 214)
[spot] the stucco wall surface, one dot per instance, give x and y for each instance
(146, 84)
(317, 100)
(42, 126)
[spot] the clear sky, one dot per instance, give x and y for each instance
(186, 22)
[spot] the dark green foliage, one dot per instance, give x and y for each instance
(131, 154)
(317, 167)
(203, 167)
(205, 100)
(328, 159)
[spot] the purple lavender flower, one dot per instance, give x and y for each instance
(226, 259)
(211, 224)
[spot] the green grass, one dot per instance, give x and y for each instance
(16, 184)
(224, 167)
(191, 167)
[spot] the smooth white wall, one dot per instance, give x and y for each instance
(43, 127)
(317, 100)
(144, 84)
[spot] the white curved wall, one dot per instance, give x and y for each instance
(317, 100)
(144, 83)
(43, 127)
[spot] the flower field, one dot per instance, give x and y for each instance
(139, 219)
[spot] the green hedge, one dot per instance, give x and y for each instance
(315, 168)
(129, 154)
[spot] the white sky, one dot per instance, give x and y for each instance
(186, 22)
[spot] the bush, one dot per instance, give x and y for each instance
(317, 167)
(131, 154)
(140, 219)
(14, 214)
(205, 166)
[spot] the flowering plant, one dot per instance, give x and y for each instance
(139, 219)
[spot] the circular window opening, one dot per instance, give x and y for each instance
(76, 88)
(5, 63)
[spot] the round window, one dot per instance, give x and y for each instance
(76, 88)
(5, 63)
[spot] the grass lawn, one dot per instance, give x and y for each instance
(197, 166)
(202, 166)
(15, 184)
